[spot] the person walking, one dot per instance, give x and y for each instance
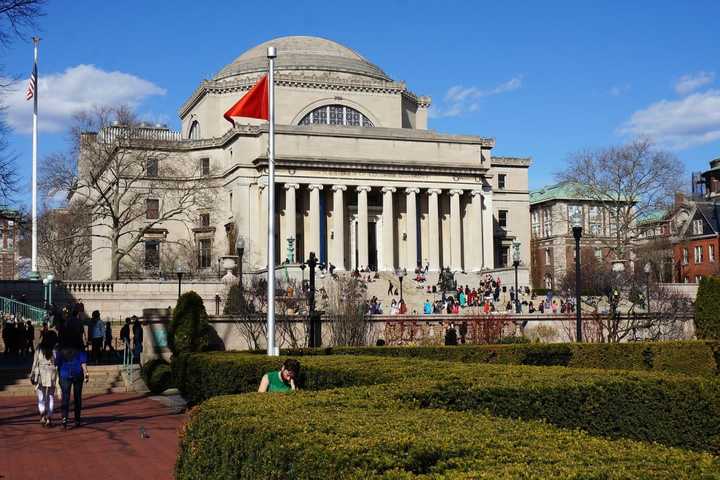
(137, 332)
(30, 337)
(98, 336)
(72, 366)
(44, 376)
(108, 338)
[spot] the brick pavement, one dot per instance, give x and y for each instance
(107, 447)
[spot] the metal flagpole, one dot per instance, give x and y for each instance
(34, 271)
(271, 350)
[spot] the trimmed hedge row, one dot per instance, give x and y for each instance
(676, 410)
(700, 358)
(157, 375)
(362, 433)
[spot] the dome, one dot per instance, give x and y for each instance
(303, 53)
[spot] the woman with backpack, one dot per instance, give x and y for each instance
(45, 378)
(72, 365)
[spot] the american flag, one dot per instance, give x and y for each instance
(32, 84)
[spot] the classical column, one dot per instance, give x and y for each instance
(362, 232)
(411, 243)
(434, 229)
(476, 232)
(388, 237)
(488, 228)
(455, 231)
(290, 218)
(314, 236)
(338, 227)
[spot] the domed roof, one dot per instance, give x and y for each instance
(303, 53)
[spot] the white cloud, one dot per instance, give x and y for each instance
(62, 95)
(692, 81)
(619, 90)
(690, 121)
(459, 100)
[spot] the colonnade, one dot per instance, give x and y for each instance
(478, 255)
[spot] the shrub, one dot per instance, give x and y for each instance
(707, 309)
(673, 409)
(362, 433)
(189, 329)
(157, 375)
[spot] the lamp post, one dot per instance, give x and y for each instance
(516, 264)
(314, 317)
(240, 249)
(302, 270)
(45, 291)
(576, 221)
(400, 277)
(647, 269)
(180, 271)
(50, 277)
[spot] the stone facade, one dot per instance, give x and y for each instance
(360, 180)
(9, 253)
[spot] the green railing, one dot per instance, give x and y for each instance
(23, 310)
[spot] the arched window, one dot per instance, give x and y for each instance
(336, 115)
(194, 133)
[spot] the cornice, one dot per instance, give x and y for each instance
(510, 161)
(323, 81)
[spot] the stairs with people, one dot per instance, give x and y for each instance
(15, 381)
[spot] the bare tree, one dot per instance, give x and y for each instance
(17, 17)
(64, 246)
(127, 177)
(628, 182)
(346, 303)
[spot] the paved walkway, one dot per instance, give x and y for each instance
(108, 446)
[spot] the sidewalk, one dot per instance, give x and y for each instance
(107, 446)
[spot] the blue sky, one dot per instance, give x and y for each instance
(544, 79)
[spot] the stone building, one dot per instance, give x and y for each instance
(9, 236)
(361, 180)
(553, 244)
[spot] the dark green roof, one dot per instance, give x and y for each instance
(560, 191)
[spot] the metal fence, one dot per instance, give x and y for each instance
(23, 310)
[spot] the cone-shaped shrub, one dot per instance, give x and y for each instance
(189, 329)
(707, 309)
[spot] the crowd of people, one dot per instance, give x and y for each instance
(67, 342)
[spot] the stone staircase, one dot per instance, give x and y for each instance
(15, 381)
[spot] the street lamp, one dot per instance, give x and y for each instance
(577, 224)
(45, 292)
(648, 269)
(400, 277)
(180, 271)
(50, 277)
(240, 249)
(516, 264)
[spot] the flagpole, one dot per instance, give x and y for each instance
(34, 271)
(271, 350)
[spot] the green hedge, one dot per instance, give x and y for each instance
(698, 358)
(362, 433)
(157, 375)
(676, 410)
(707, 309)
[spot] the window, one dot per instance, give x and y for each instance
(152, 254)
(501, 181)
(535, 222)
(204, 253)
(547, 222)
(230, 207)
(194, 133)
(152, 208)
(204, 219)
(504, 256)
(205, 166)
(685, 256)
(697, 227)
(598, 254)
(502, 218)
(711, 253)
(151, 167)
(336, 115)
(698, 278)
(548, 257)
(698, 254)
(595, 219)
(572, 211)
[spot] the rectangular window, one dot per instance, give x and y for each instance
(595, 220)
(205, 166)
(535, 222)
(204, 219)
(574, 210)
(685, 256)
(151, 167)
(697, 227)
(501, 181)
(204, 253)
(152, 254)
(547, 222)
(711, 253)
(548, 257)
(698, 278)
(698, 254)
(504, 256)
(502, 218)
(598, 254)
(152, 208)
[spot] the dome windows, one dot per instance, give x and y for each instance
(336, 115)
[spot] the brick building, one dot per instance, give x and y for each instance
(9, 235)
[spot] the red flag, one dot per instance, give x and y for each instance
(254, 104)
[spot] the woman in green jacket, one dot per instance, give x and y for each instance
(282, 380)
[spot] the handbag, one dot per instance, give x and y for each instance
(34, 378)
